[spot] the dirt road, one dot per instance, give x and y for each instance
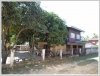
(68, 65)
(72, 68)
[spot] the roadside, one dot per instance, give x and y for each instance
(68, 65)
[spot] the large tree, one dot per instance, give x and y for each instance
(26, 21)
(57, 30)
(17, 17)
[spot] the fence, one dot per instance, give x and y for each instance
(91, 50)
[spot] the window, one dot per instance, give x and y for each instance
(77, 36)
(72, 35)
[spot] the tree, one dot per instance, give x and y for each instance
(26, 21)
(57, 30)
(95, 35)
(85, 38)
(10, 16)
(23, 16)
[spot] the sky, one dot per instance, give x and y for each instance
(81, 14)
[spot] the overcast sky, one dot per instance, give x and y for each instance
(81, 14)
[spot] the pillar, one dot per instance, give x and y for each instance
(60, 53)
(80, 51)
(77, 49)
(43, 54)
(72, 50)
(83, 51)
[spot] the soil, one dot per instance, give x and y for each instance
(67, 65)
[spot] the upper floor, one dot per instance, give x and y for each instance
(74, 34)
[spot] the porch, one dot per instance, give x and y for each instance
(75, 49)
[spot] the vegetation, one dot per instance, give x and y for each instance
(95, 35)
(87, 37)
(26, 21)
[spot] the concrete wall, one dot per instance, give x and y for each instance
(57, 48)
(91, 50)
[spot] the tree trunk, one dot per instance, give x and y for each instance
(31, 50)
(5, 52)
(4, 57)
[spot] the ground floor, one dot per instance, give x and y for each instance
(67, 49)
(74, 49)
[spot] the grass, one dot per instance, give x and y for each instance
(79, 58)
(86, 62)
(26, 66)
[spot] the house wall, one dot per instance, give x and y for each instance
(75, 32)
(91, 48)
(57, 48)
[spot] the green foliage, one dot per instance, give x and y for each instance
(85, 38)
(56, 27)
(95, 35)
(43, 25)
(13, 39)
(10, 13)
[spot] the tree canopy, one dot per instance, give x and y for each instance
(56, 28)
(27, 21)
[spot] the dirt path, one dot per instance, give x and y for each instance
(82, 67)
(70, 65)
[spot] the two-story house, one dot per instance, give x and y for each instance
(74, 45)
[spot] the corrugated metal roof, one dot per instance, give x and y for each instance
(76, 28)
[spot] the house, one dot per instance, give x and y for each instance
(74, 45)
(91, 46)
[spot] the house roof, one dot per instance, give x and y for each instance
(92, 43)
(76, 28)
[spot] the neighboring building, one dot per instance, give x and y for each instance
(93, 41)
(91, 46)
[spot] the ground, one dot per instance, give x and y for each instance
(68, 65)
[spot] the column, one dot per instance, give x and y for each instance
(43, 54)
(72, 50)
(77, 50)
(83, 51)
(60, 53)
(80, 51)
